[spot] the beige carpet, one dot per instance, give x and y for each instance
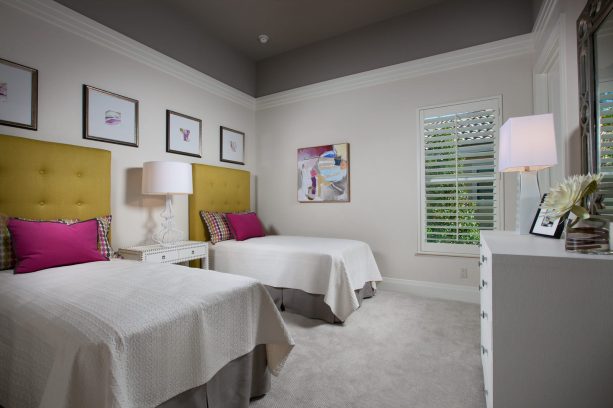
(396, 351)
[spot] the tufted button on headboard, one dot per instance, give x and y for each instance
(44, 180)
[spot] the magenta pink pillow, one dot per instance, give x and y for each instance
(41, 245)
(245, 226)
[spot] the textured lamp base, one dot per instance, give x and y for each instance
(528, 201)
(169, 234)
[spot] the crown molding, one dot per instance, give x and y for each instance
(60, 16)
(496, 50)
(547, 13)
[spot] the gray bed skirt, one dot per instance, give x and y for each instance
(311, 305)
(238, 382)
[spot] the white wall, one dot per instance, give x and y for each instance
(67, 61)
(556, 82)
(380, 123)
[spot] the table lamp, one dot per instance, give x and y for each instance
(527, 144)
(167, 178)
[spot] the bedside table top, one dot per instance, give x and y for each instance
(161, 248)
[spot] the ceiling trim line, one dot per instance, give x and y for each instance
(509, 47)
(549, 11)
(82, 26)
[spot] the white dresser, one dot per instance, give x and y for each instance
(546, 324)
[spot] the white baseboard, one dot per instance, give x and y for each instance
(460, 293)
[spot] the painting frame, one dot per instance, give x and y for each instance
(91, 124)
(225, 135)
(31, 108)
(174, 138)
(543, 228)
(340, 173)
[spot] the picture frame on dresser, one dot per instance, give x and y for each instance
(183, 134)
(109, 117)
(231, 146)
(18, 95)
(546, 226)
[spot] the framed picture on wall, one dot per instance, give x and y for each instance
(108, 117)
(183, 134)
(545, 225)
(18, 95)
(323, 174)
(231, 146)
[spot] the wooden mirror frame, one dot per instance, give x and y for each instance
(591, 17)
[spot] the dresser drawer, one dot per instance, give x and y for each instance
(485, 279)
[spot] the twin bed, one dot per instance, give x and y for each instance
(121, 333)
(320, 278)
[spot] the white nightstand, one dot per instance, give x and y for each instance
(181, 251)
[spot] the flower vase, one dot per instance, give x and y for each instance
(588, 236)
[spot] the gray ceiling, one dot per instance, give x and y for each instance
(289, 23)
(219, 37)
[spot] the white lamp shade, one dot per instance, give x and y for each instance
(527, 143)
(165, 177)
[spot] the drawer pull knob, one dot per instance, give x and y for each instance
(483, 350)
(483, 258)
(193, 252)
(483, 283)
(483, 314)
(163, 256)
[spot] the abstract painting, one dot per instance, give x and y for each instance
(18, 95)
(231, 146)
(109, 117)
(183, 134)
(323, 174)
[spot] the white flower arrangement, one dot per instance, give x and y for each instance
(571, 196)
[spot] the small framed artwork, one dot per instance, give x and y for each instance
(18, 95)
(231, 146)
(545, 225)
(108, 117)
(323, 174)
(183, 134)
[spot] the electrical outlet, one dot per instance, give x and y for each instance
(464, 273)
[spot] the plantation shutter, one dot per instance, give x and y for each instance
(459, 178)
(605, 140)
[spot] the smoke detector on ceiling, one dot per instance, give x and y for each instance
(263, 38)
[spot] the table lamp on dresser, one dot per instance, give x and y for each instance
(527, 144)
(167, 178)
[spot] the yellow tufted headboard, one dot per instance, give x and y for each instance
(216, 189)
(44, 180)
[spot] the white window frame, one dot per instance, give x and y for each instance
(429, 248)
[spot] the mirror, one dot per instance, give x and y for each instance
(595, 54)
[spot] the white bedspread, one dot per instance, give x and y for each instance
(127, 334)
(326, 266)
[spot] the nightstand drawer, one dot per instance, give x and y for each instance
(178, 252)
(161, 257)
(193, 252)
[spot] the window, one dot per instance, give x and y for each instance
(605, 140)
(459, 188)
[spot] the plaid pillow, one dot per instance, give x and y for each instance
(104, 227)
(7, 256)
(217, 224)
